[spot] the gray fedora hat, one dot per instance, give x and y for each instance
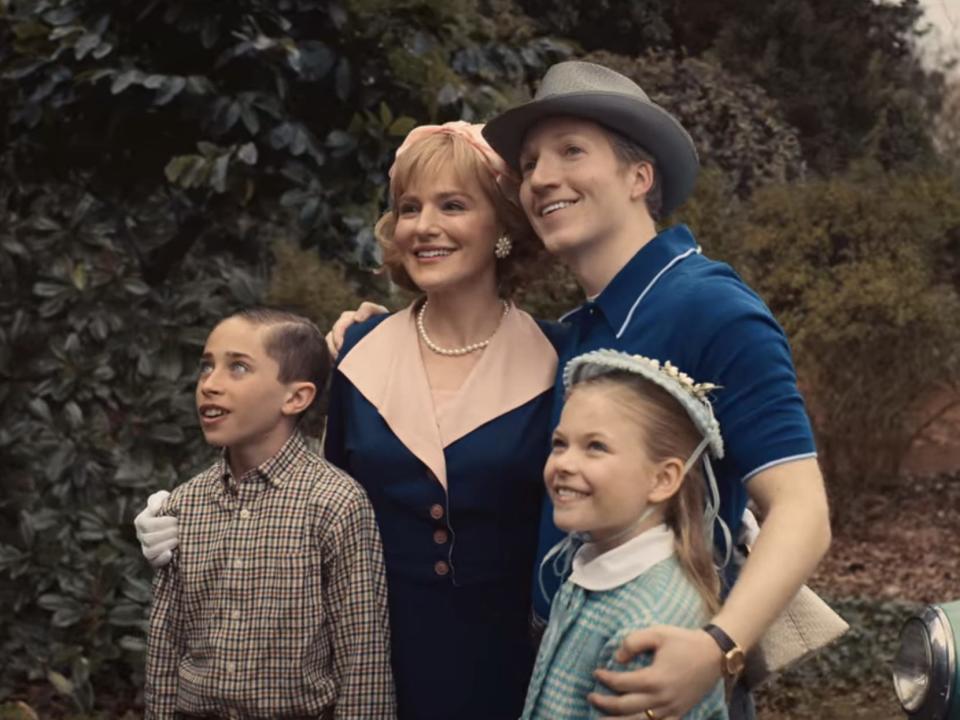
(593, 92)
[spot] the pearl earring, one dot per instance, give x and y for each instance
(503, 247)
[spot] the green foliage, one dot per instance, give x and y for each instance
(228, 105)
(96, 410)
(301, 281)
(844, 73)
(861, 271)
(625, 28)
(858, 664)
(736, 127)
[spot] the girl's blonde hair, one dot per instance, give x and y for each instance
(668, 432)
(430, 156)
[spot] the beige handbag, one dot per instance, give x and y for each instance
(805, 626)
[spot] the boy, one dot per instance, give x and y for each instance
(275, 603)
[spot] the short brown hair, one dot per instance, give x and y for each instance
(426, 158)
(295, 343)
(629, 152)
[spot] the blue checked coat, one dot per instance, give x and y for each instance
(586, 628)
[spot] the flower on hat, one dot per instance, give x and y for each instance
(699, 390)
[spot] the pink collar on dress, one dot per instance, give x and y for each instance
(387, 368)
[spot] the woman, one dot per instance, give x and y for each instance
(442, 411)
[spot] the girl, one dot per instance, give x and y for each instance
(624, 481)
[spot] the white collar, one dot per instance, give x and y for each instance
(624, 562)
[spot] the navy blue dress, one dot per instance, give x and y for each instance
(458, 560)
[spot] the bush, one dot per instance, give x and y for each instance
(96, 410)
(861, 272)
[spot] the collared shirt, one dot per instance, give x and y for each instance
(275, 604)
(636, 585)
(669, 302)
(613, 568)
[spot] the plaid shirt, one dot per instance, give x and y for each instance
(275, 604)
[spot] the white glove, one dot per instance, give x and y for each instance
(749, 528)
(157, 535)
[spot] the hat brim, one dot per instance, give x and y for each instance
(647, 124)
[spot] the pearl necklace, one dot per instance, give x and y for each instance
(466, 349)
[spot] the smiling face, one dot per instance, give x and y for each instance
(575, 191)
(242, 404)
(599, 474)
(445, 232)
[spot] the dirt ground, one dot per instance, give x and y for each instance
(899, 546)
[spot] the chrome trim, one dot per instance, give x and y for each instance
(942, 667)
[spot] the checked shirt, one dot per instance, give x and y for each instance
(275, 604)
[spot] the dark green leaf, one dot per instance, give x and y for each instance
(85, 44)
(136, 286)
(48, 289)
(172, 86)
(167, 433)
(218, 178)
(342, 79)
(248, 153)
(124, 80)
(401, 126)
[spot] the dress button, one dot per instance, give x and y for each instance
(440, 536)
(235, 614)
(441, 568)
(238, 564)
(231, 667)
(436, 511)
(244, 514)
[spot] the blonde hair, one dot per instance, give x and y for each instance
(668, 432)
(427, 158)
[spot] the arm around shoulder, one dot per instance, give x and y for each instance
(795, 535)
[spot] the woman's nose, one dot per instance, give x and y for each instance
(427, 222)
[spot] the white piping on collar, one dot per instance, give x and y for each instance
(636, 302)
(623, 563)
(653, 282)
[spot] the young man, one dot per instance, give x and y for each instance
(275, 602)
(600, 163)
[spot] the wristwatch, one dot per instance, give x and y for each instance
(733, 657)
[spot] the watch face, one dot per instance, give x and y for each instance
(735, 661)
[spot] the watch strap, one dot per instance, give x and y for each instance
(725, 642)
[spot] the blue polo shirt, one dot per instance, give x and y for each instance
(669, 302)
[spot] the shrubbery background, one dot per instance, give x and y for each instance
(163, 163)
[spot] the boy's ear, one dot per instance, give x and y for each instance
(641, 175)
(666, 480)
(299, 397)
